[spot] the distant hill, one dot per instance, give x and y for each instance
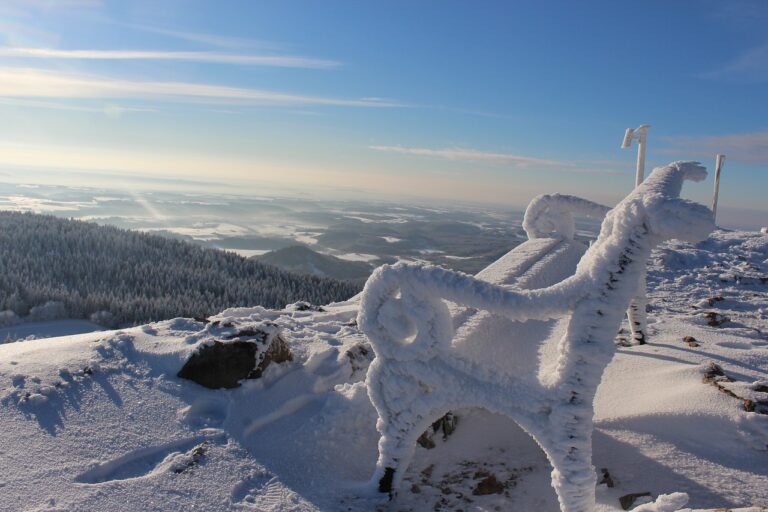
(300, 259)
(137, 277)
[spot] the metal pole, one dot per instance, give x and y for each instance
(636, 313)
(641, 134)
(640, 176)
(719, 159)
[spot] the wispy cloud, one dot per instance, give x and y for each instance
(474, 155)
(743, 147)
(204, 38)
(288, 61)
(42, 83)
(751, 66)
(29, 7)
(110, 110)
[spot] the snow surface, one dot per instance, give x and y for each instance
(49, 329)
(303, 437)
(99, 421)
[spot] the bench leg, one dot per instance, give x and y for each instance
(573, 476)
(396, 448)
(637, 316)
(398, 443)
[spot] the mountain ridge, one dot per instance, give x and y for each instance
(300, 259)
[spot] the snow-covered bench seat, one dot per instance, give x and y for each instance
(445, 340)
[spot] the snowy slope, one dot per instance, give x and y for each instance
(53, 328)
(99, 421)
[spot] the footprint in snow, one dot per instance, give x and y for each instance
(266, 492)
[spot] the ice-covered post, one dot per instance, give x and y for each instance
(641, 134)
(636, 313)
(719, 159)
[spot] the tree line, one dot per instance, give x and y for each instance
(131, 277)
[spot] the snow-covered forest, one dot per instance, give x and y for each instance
(135, 277)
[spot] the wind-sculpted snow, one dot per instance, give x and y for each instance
(417, 376)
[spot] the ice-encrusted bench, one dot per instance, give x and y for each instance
(531, 345)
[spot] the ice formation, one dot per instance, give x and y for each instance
(417, 375)
(551, 216)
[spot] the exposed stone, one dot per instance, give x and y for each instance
(488, 485)
(606, 479)
(628, 500)
(445, 426)
(304, 306)
(360, 357)
(245, 355)
(715, 319)
(425, 440)
(691, 341)
(714, 374)
(192, 458)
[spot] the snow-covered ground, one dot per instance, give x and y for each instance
(49, 329)
(100, 421)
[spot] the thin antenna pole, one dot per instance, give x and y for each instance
(719, 159)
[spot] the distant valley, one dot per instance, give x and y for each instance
(461, 237)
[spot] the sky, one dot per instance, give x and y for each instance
(470, 102)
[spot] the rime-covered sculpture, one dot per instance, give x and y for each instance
(423, 367)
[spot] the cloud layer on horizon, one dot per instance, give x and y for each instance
(474, 155)
(743, 147)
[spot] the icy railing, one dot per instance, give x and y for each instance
(551, 216)
(416, 377)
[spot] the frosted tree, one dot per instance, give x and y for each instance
(135, 277)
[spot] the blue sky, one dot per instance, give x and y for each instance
(414, 100)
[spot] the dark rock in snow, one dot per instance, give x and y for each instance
(446, 425)
(304, 306)
(714, 374)
(360, 357)
(628, 500)
(606, 479)
(225, 363)
(715, 319)
(191, 459)
(425, 440)
(488, 485)
(691, 341)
